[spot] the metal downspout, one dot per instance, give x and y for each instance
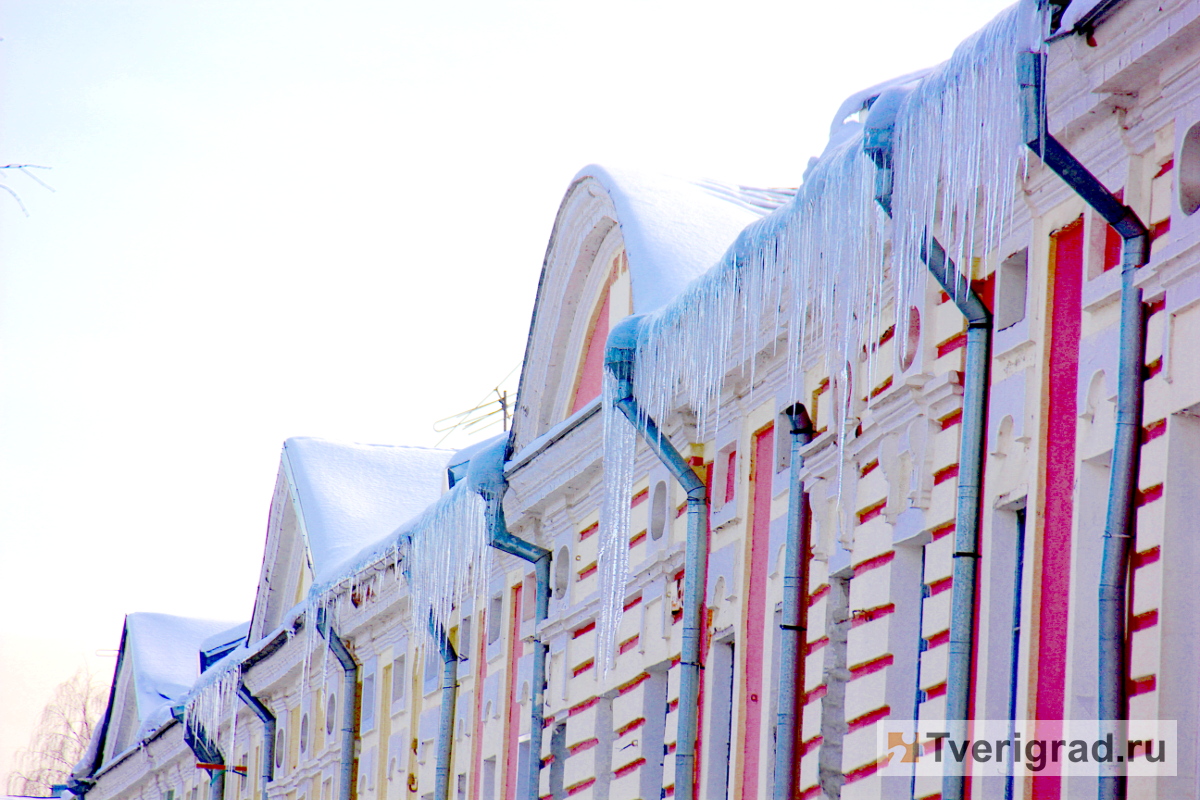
(441, 789)
(878, 143)
(969, 502)
(349, 690)
(505, 542)
(1122, 488)
(268, 720)
(792, 628)
(619, 356)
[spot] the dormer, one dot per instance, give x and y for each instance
(331, 501)
(623, 242)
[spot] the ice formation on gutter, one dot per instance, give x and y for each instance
(830, 268)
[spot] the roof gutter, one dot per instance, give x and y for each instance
(1112, 709)
(878, 143)
(619, 359)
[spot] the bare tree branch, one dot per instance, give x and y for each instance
(63, 732)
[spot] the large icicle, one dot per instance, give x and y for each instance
(620, 441)
(821, 266)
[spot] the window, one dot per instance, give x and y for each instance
(303, 734)
(1189, 171)
(368, 702)
(658, 510)
(464, 638)
(330, 714)
(562, 571)
(1012, 277)
(495, 617)
(399, 682)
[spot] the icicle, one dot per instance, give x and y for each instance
(620, 441)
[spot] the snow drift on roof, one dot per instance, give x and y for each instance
(675, 230)
(164, 653)
(351, 495)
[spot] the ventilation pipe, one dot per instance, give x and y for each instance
(486, 475)
(619, 358)
(441, 785)
(1122, 488)
(349, 690)
(268, 720)
(792, 631)
(878, 143)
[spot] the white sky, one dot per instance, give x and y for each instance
(314, 218)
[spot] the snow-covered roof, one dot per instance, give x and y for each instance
(164, 653)
(675, 229)
(351, 495)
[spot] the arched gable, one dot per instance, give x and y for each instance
(623, 242)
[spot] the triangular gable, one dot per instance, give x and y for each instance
(331, 501)
(623, 242)
(157, 665)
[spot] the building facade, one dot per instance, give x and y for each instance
(922, 505)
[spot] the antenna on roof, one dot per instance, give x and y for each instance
(492, 408)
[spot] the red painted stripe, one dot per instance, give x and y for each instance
(1165, 168)
(938, 639)
(811, 792)
(810, 745)
(1142, 685)
(870, 667)
(881, 388)
(629, 686)
(633, 602)
(637, 539)
(865, 771)
(941, 585)
(887, 335)
(576, 788)
(589, 531)
(1154, 430)
(816, 596)
(868, 468)
(627, 645)
(945, 473)
(513, 722)
(640, 498)
(585, 628)
(945, 529)
(869, 718)
(943, 298)
(587, 572)
(1156, 305)
(872, 511)
(1145, 557)
(817, 693)
(730, 475)
(862, 617)
(584, 706)
(937, 690)
(1153, 368)
(1147, 619)
(955, 342)
(875, 562)
(815, 645)
(631, 767)
(1160, 229)
(669, 791)
(674, 704)
(951, 419)
(1058, 476)
(583, 667)
(630, 726)
(680, 511)
(584, 745)
(1149, 494)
